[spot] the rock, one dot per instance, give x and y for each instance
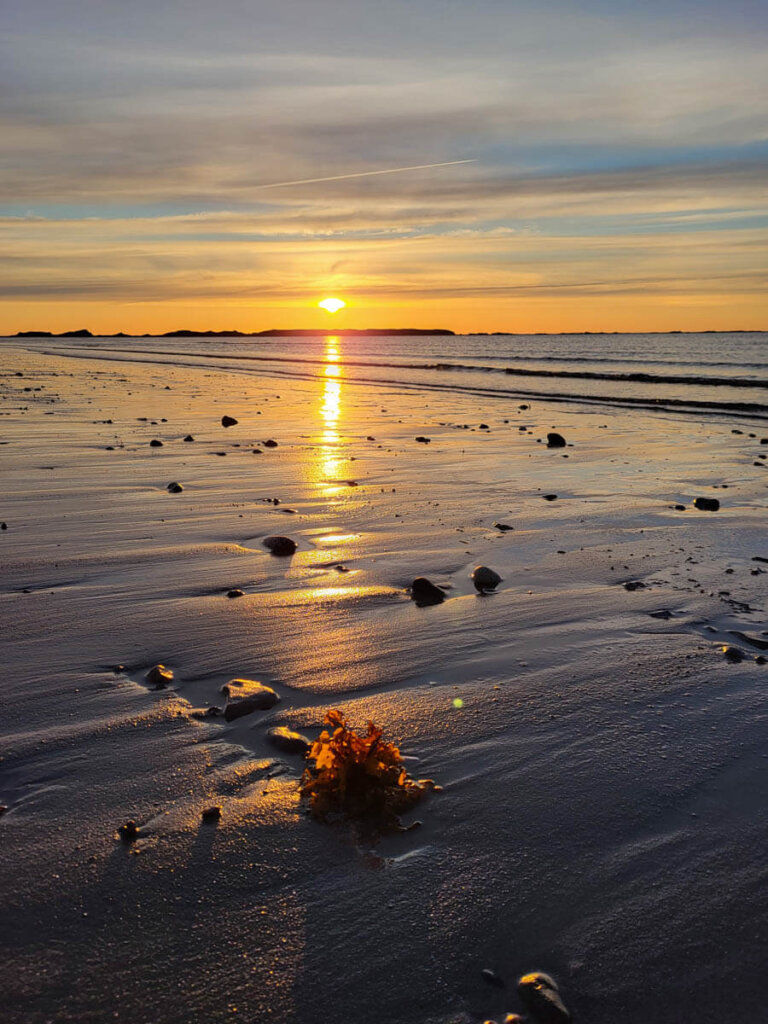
(270, 443)
(235, 592)
(174, 488)
(503, 527)
(159, 676)
(245, 696)
(256, 451)
(3, 526)
(423, 440)
(483, 426)
(764, 440)
(706, 504)
(228, 421)
(370, 438)
(129, 832)
(212, 813)
(555, 440)
(549, 497)
(484, 578)
(154, 443)
(3, 808)
(679, 508)
(287, 741)
(513, 1018)
(281, 546)
(634, 585)
(760, 659)
(424, 592)
(189, 438)
(492, 978)
(732, 654)
(540, 994)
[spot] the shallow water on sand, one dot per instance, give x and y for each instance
(603, 811)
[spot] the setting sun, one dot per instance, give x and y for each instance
(332, 305)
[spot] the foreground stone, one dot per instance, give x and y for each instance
(540, 994)
(555, 440)
(485, 578)
(424, 591)
(174, 488)
(706, 504)
(212, 813)
(159, 676)
(280, 545)
(245, 696)
(228, 421)
(288, 741)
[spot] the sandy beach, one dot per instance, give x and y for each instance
(603, 810)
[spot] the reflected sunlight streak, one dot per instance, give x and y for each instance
(329, 465)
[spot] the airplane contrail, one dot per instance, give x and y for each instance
(365, 174)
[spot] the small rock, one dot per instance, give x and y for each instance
(256, 451)
(706, 504)
(760, 659)
(245, 696)
(483, 426)
(159, 676)
(270, 443)
(189, 438)
(287, 741)
(424, 592)
(129, 832)
(503, 527)
(555, 440)
(540, 994)
(484, 578)
(423, 440)
(679, 508)
(154, 443)
(174, 488)
(732, 654)
(3, 526)
(228, 421)
(549, 497)
(370, 438)
(492, 978)
(281, 546)
(212, 813)
(3, 808)
(235, 592)
(634, 585)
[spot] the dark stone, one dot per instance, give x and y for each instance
(760, 659)
(549, 497)
(228, 421)
(423, 440)
(732, 654)
(287, 741)
(154, 443)
(503, 527)
(245, 696)
(174, 488)
(3, 526)
(159, 676)
(540, 994)
(634, 585)
(282, 546)
(270, 443)
(679, 508)
(235, 593)
(706, 504)
(492, 978)
(189, 438)
(129, 832)
(484, 578)
(212, 813)
(424, 592)
(555, 440)
(764, 440)
(370, 438)
(483, 426)
(257, 451)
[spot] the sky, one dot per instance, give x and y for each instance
(613, 175)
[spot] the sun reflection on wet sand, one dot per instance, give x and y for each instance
(329, 463)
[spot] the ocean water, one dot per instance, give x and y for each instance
(690, 373)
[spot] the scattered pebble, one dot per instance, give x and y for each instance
(228, 421)
(281, 546)
(424, 592)
(270, 443)
(235, 592)
(174, 488)
(154, 443)
(634, 585)
(540, 994)
(706, 504)
(732, 654)
(287, 741)
(212, 813)
(549, 497)
(189, 438)
(129, 832)
(555, 440)
(484, 578)
(503, 527)
(423, 440)
(245, 696)
(159, 676)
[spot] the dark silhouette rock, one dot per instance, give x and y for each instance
(154, 443)
(281, 546)
(423, 440)
(424, 592)
(503, 527)
(189, 438)
(212, 813)
(129, 832)
(549, 497)
(732, 654)
(484, 579)
(555, 440)
(159, 676)
(236, 592)
(270, 443)
(706, 504)
(174, 488)
(228, 421)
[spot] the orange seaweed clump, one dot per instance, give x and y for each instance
(359, 776)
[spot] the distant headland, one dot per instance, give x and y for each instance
(272, 333)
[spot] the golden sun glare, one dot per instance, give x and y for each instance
(332, 305)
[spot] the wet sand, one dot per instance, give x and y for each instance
(604, 784)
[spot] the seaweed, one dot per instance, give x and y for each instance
(359, 776)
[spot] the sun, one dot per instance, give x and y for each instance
(332, 305)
